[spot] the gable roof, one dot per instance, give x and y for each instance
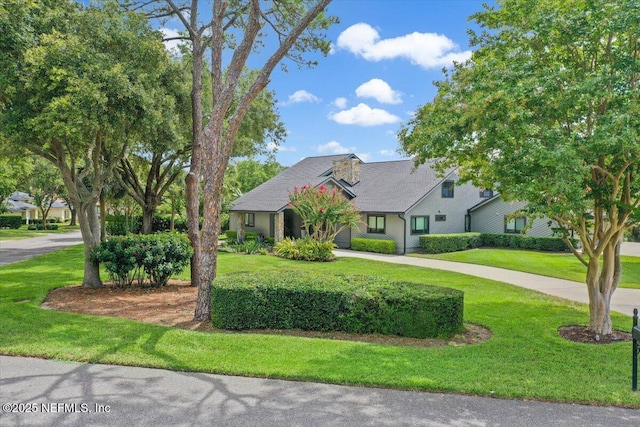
(390, 187)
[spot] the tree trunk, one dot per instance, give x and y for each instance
(193, 177)
(213, 168)
(74, 215)
(147, 219)
(90, 228)
(601, 284)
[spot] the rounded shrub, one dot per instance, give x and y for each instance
(153, 257)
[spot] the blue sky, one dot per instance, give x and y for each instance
(386, 54)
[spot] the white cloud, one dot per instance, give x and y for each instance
(363, 115)
(334, 147)
(380, 91)
(388, 153)
(172, 45)
(301, 96)
(428, 50)
(280, 148)
(340, 102)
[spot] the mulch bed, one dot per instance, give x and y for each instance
(173, 305)
(585, 335)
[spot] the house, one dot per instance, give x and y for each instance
(397, 201)
(21, 203)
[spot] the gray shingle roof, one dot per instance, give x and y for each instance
(392, 187)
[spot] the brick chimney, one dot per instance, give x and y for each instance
(347, 170)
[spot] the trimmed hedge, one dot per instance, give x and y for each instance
(439, 243)
(347, 303)
(42, 227)
(10, 221)
(381, 246)
(518, 241)
(50, 220)
(156, 257)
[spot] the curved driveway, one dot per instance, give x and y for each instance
(623, 301)
(17, 250)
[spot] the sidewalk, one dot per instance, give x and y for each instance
(623, 300)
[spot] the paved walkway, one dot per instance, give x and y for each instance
(78, 394)
(623, 300)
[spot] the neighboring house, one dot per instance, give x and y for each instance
(396, 200)
(21, 203)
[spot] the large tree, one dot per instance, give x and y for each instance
(272, 30)
(150, 170)
(79, 88)
(547, 111)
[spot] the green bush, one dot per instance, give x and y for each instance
(439, 243)
(381, 246)
(352, 304)
(305, 249)
(50, 220)
(155, 257)
(519, 241)
(121, 225)
(10, 221)
(42, 227)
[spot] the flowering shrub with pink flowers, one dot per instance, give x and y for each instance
(324, 212)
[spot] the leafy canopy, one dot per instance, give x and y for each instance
(546, 111)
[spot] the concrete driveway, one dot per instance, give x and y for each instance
(630, 249)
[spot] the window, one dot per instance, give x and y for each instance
(447, 189)
(514, 225)
(419, 225)
(375, 224)
(486, 194)
(250, 220)
(441, 217)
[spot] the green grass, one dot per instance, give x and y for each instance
(561, 266)
(24, 233)
(525, 358)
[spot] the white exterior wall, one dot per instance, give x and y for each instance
(490, 219)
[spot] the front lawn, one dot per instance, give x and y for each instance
(561, 266)
(24, 233)
(525, 358)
